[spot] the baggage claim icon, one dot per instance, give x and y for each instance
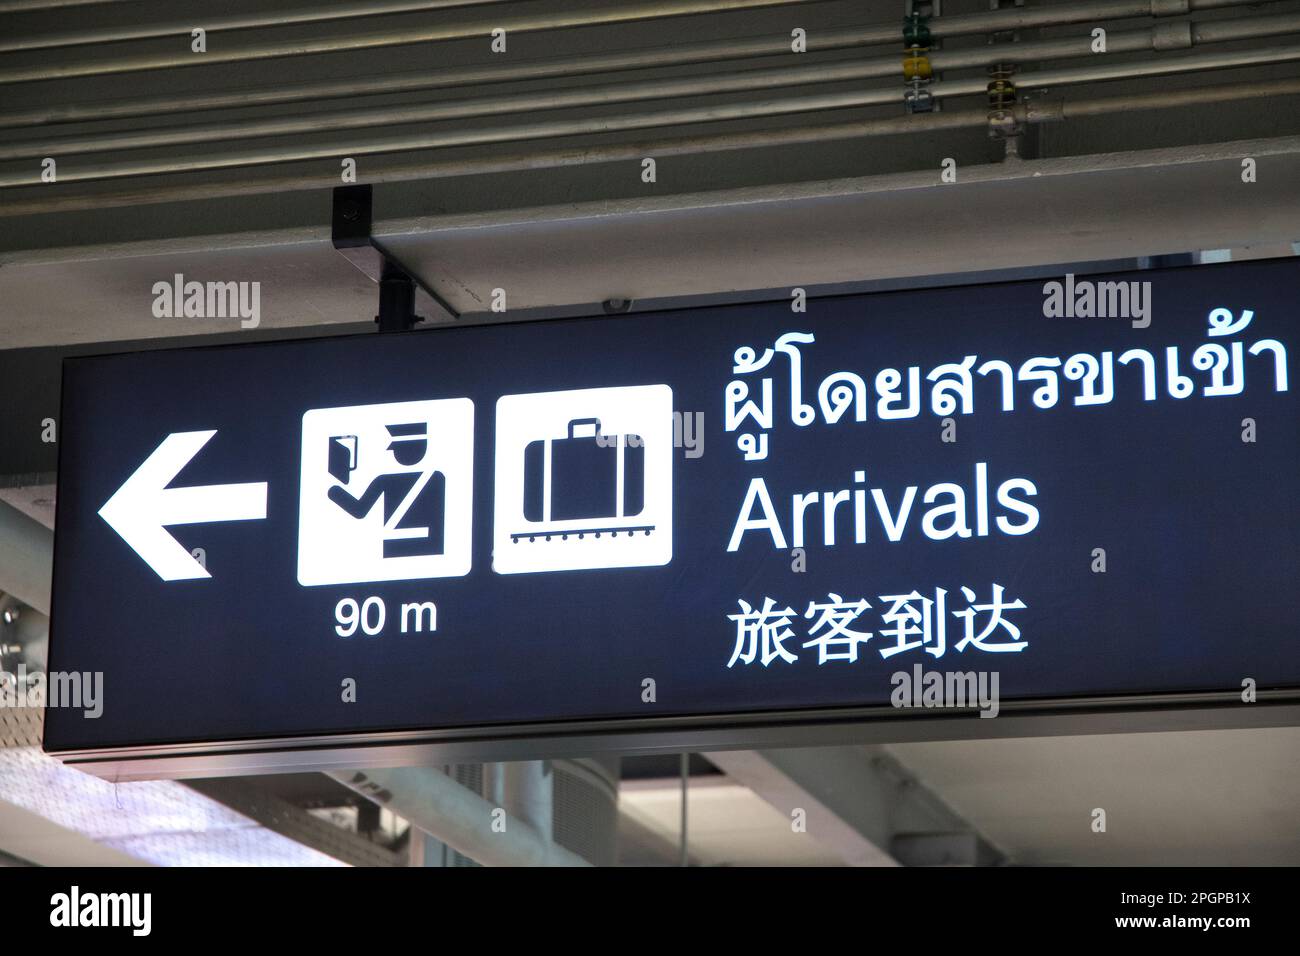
(584, 480)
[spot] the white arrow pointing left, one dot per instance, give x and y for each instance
(142, 509)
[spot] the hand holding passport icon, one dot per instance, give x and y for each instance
(413, 501)
(386, 492)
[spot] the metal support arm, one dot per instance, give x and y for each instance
(402, 296)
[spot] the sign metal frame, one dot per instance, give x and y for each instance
(1044, 717)
(1152, 713)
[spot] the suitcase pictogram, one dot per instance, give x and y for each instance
(584, 479)
(594, 478)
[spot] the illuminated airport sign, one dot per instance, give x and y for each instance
(1079, 488)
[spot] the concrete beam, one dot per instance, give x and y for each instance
(862, 802)
(825, 234)
(942, 849)
(457, 816)
(33, 839)
(665, 250)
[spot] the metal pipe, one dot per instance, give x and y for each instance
(994, 21)
(1217, 60)
(524, 104)
(403, 36)
(1245, 28)
(36, 6)
(1019, 18)
(1160, 66)
(1053, 110)
(517, 162)
(1035, 111)
(681, 54)
(26, 558)
(408, 142)
(1182, 35)
(246, 21)
(457, 816)
(749, 80)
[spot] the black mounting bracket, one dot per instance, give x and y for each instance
(402, 296)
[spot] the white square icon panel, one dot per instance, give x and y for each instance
(386, 492)
(584, 480)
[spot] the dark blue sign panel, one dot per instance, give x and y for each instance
(1086, 486)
